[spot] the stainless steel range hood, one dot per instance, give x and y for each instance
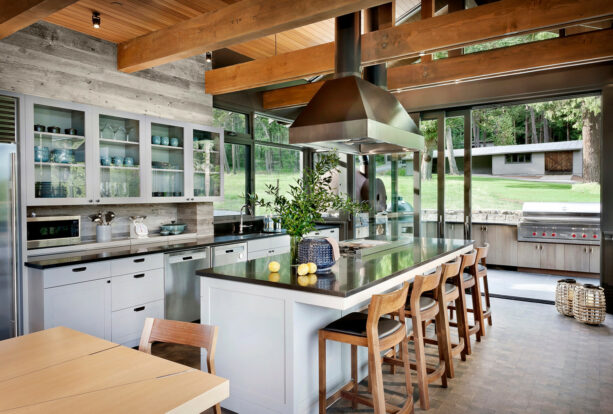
(352, 115)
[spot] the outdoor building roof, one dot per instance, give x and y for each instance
(524, 148)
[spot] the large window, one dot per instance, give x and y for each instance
(270, 130)
(230, 121)
(235, 179)
(274, 165)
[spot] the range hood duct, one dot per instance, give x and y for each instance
(350, 114)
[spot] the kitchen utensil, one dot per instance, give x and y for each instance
(118, 161)
(165, 141)
(70, 131)
(173, 228)
(41, 154)
(39, 128)
(174, 142)
(54, 129)
(128, 162)
(138, 229)
(109, 216)
(155, 140)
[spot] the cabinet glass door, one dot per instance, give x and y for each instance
(167, 161)
(207, 157)
(59, 153)
(119, 152)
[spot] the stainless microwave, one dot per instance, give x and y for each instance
(53, 231)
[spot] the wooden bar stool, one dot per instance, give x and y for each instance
(427, 310)
(466, 281)
(481, 272)
(377, 334)
(447, 292)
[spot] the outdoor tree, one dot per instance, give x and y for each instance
(428, 130)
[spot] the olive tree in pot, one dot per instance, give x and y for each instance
(300, 208)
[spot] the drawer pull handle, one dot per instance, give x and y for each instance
(79, 269)
(138, 276)
(139, 260)
(187, 258)
(140, 308)
(230, 251)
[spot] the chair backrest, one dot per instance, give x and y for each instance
(450, 270)
(468, 260)
(388, 302)
(482, 254)
(422, 284)
(176, 332)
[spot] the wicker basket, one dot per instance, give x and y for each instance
(589, 304)
(565, 291)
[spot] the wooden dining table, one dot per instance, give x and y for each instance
(63, 370)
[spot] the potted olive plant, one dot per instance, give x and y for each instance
(303, 205)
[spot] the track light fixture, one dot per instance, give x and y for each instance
(96, 20)
(209, 57)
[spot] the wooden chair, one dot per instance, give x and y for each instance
(466, 281)
(377, 334)
(481, 272)
(423, 309)
(182, 333)
(447, 292)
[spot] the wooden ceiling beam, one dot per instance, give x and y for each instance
(451, 31)
(17, 14)
(560, 52)
(230, 25)
(547, 54)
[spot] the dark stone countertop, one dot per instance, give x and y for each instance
(349, 275)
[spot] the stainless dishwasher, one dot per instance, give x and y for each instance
(229, 253)
(181, 285)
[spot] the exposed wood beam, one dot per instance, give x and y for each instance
(17, 14)
(236, 23)
(427, 12)
(547, 54)
(455, 30)
(566, 51)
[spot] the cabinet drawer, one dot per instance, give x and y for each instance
(127, 324)
(130, 290)
(268, 252)
(324, 233)
(267, 243)
(136, 264)
(66, 275)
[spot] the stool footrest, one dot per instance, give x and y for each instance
(348, 395)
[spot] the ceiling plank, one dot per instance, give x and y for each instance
(565, 51)
(462, 28)
(546, 54)
(15, 15)
(239, 22)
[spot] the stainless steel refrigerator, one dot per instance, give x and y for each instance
(9, 221)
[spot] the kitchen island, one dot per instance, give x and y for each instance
(268, 323)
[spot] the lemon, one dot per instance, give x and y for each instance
(274, 267)
(303, 269)
(274, 277)
(312, 267)
(312, 279)
(303, 280)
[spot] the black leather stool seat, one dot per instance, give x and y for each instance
(425, 303)
(355, 324)
(449, 287)
(468, 277)
(481, 268)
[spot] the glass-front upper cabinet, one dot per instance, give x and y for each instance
(207, 164)
(167, 161)
(120, 158)
(58, 147)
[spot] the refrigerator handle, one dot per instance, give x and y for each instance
(13, 192)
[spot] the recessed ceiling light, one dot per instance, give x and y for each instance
(209, 57)
(96, 20)
(422, 54)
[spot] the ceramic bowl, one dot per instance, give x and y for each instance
(155, 140)
(165, 141)
(70, 131)
(128, 162)
(173, 228)
(164, 233)
(106, 161)
(118, 161)
(41, 154)
(174, 142)
(39, 128)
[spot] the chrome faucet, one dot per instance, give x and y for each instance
(241, 226)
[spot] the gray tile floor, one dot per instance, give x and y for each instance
(532, 360)
(527, 285)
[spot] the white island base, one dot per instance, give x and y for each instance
(268, 345)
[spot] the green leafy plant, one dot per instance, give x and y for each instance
(303, 205)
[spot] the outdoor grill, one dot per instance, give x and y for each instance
(576, 223)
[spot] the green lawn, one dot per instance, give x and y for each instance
(488, 192)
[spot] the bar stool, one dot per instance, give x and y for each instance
(446, 293)
(481, 272)
(427, 310)
(466, 281)
(377, 334)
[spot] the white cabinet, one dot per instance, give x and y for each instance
(269, 246)
(128, 323)
(333, 232)
(84, 306)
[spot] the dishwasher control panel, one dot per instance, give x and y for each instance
(229, 253)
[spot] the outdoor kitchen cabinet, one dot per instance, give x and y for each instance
(582, 258)
(540, 255)
(503, 242)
